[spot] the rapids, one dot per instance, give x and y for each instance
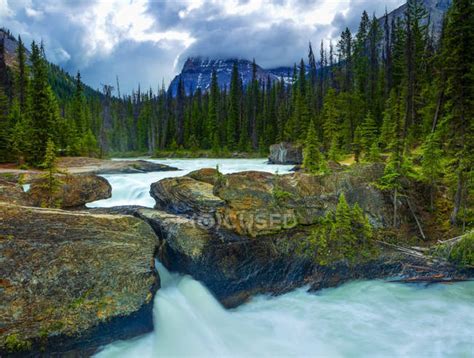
(364, 318)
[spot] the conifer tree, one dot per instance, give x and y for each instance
(368, 132)
(4, 125)
(51, 182)
(234, 109)
(391, 180)
(458, 55)
(313, 160)
(78, 110)
(22, 78)
(212, 112)
(44, 110)
(331, 124)
(431, 163)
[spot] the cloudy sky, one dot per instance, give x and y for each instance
(146, 42)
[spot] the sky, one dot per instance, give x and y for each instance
(146, 42)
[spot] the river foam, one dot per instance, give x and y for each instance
(367, 318)
(359, 319)
(134, 189)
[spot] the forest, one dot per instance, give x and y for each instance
(394, 91)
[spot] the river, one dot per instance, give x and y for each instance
(363, 318)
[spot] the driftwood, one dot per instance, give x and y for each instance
(408, 251)
(439, 278)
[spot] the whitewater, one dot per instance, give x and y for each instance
(358, 319)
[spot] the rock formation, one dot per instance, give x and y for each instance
(74, 192)
(73, 279)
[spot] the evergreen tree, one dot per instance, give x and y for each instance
(78, 108)
(393, 173)
(234, 109)
(44, 110)
(50, 179)
(431, 163)
(212, 128)
(368, 132)
(4, 125)
(313, 161)
(458, 54)
(331, 121)
(22, 78)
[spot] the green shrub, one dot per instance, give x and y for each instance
(14, 343)
(462, 253)
(345, 234)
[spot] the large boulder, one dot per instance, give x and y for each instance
(258, 203)
(185, 195)
(285, 153)
(75, 191)
(73, 280)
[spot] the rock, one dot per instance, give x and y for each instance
(285, 153)
(207, 175)
(236, 267)
(73, 280)
(76, 191)
(184, 235)
(185, 195)
(259, 203)
(83, 165)
(11, 192)
(263, 203)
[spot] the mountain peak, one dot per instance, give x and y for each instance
(197, 72)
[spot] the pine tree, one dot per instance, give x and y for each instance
(212, 112)
(393, 173)
(78, 110)
(331, 123)
(368, 132)
(458, 54)
(431, 163)
(313, 160)
(234, 109)
(4, 125)
(50, 179)
(44, 110)
(22, 78)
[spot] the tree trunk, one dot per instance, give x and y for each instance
(395, 207)
(457, 199)
(438, 110)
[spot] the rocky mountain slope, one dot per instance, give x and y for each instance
(197, 71)
(62, 83)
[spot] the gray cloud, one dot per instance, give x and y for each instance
(145, 44)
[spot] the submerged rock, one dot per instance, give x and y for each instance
(75, 191)
(285, 153)
(73, 280)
